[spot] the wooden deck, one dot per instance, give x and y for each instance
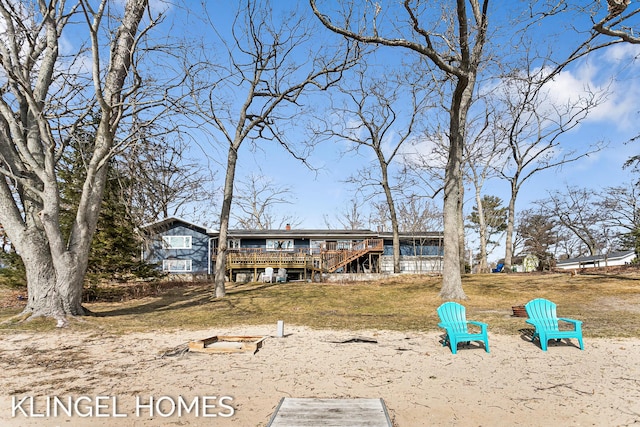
(309, 263)
(311, 412)
(256, 261)
(332, 260)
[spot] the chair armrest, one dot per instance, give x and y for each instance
(482, 325)
(533, 322)
(574, 321)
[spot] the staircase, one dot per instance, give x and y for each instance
(336, 259)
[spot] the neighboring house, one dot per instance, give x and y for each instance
(181, 247)
(610, 260)
(178, 246)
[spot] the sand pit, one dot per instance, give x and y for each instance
(118, 380)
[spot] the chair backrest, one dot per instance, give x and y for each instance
(282, 272)
(544, 312)
(268, 271)
(453, 314)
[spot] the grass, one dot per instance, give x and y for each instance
(608, 304)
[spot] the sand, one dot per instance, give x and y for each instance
(113, 378)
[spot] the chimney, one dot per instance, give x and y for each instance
(288, 227)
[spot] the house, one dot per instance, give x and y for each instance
(180, 247)
(607, 260)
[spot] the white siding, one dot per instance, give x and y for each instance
(412, 264)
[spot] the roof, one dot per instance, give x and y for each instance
(612, 256)
(327, 233)
(337, 234)
(168, 222)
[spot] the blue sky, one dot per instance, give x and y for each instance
(322, 193)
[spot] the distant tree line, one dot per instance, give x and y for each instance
(571, 223)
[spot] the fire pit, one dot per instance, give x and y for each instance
(519, 311)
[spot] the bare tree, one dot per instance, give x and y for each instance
(454, 44)
(44, 97)
(484, 152)
(418, 214)
(592, 222)
(538, 234)
(351, 216)
(620, 210)
(489, 217)
(577, 211)
(532, 124)
(618, 22)
(378, 115)
(256, 199)
(159, 180)
(379, 216)
(258, 89)
(567, 245)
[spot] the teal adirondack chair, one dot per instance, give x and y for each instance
(542, 315)
(453, 319)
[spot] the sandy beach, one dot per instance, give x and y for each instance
(113, 379)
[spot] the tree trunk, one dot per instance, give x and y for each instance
(511, 220)
(451, 278)
(461, 245)
(392, 214)
(221, 258)
(220, 271)
(70, 283)
(43, 296)
(52, 291)
(451, 275)
(483, 266)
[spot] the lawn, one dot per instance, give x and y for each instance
(607, 303)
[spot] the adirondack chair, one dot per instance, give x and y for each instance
(268, 276)
(453, 320)
(281, 277)
(542, 315)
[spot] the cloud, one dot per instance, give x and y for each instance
(612, 72)
(426, 152)
(621, 53)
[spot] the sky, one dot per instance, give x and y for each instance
(321, 194)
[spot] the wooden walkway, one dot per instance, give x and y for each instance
(311, 412)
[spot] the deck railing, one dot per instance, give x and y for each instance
(258, 258)
(335, 259)
(329, 259)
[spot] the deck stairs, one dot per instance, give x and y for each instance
(333, 260)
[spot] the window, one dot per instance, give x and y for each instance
(343, 245)
(279, 245)
(233, 243)
(316, 246)
(176, 265)
(176, 242)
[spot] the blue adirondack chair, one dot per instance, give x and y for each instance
(453, 319)
(542, 315)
